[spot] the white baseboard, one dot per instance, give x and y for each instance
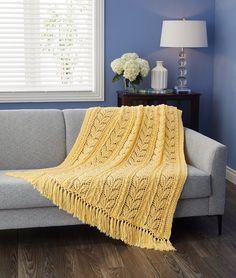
(231, 175)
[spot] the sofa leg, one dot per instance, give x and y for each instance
(219, 218)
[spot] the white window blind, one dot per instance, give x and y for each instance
(50, 46)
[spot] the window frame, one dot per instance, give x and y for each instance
(70, 96)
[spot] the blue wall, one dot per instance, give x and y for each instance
(224, 97)
(135, 25)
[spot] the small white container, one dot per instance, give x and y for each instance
(159, 77)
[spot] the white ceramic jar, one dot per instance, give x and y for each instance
(159, 77)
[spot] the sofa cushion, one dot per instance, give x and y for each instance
(16, 193)
(197, 185)
(73, 119)
(31, 138)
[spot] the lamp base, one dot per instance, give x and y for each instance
(182, 90)
(181, 86)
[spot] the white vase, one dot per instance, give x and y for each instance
(159, 77)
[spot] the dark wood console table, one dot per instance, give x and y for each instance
(188, 103)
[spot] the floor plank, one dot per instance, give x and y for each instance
(82, 251)
(8, 254)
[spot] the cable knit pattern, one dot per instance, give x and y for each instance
(124, 174)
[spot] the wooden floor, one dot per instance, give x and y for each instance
(84, 252)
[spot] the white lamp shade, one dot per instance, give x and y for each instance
(184, 33)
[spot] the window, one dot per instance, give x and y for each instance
(51, 50)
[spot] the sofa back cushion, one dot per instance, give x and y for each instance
(73, 119)
(31, 139)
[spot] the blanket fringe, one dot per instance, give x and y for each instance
(96, 217)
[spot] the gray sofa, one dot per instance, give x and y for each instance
(31, 139)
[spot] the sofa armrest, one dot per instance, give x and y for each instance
(210, 156)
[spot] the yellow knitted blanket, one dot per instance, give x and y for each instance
(124, 174)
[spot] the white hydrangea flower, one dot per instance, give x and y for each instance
(117, 66)
(144, 67)
(131, 67)
(131, 70)
(129, 56)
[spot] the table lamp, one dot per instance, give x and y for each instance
(183, 34)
